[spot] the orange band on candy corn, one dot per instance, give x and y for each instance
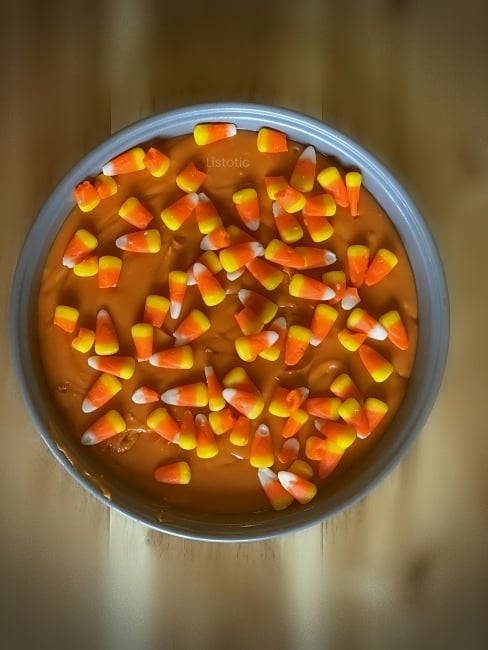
(179, 358)
(319, 228)
(290, 199)
(322, 205)
(206, 443)
(215, 400)
(119, 366)
(248, 321)
(382, 265)
(276, 494)
(216, 240)
(395, 329)
(79, 247)
(302, 286)
(300, 488)
(326, 408)
(303, 174)
(375, 363)
(240, 432)
(331, 181)
(247, 207)
(353, 187)
(323, 319)
(279, 253)
(86, 196)
(261, 454)
(208, 219)
(296, 397)
(221, 421)
(288, 451)
(191, 328)
(331, 458)
(188, 432)
(105, 186)
(271, 141)
(178, 473)
(190, 178)
(156, 162)
(142, 336)
(102, 391)
(175, 215)
(213, 132)
(107, 426)
(155, 310)
(66, 318)
(126, 163)
(177, 286)
(273, 352)
(144, 241)
(106, 341)
(298, 418)
(211, 290)
(135, 213)
(162, 423)
(287, 224)
(265, 273)
(84, 340)
(297, 342)
(109, 269)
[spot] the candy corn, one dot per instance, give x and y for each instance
(217, 239)
(330, 459)
(375, 363)
(238, 378)
(357, 263)
(274, 184)
(353, 187)
(86, 196)
(344, 387)
(109, 269)
(319, 228)
(191, 328)
(360, 321)
(236, 256)
(105, 186)
(221, 421)
(265, 273)
(155, 310)
(206, 443)
(290, 199)
(79, 247)
(395, 329)
(106, 341)
(350, 298)
(188, 434)
(322, 205)
(187, 395)
(144, 241)
(156, 162)
(294, 423)
(145, 395)
(66, 318)
(125, 163)
(248, 321)
(247, 206)
(332, 182)
(175, 215)
(351, 340)
(279, 253)
(323, 319)
(352, 412)
(102, 391)
(300, 489)
(342, 435)
(214, 390)
(135, 213)
(238, 236)
(296, 397)
(206, 213)
(248, 347)
(303, 174)
(297, 342)
(107, 426)
(178, 473)
(375, 410)
(288, 226)
(273, 352)
(84, 340)
(179, 358)
(210, 288)
(276, 494)
(382, 264)
(301, 468)
(263, 307)
(271, 141)
(326, 408)
(279, 405)
(315, 258)
(211, 261)
(288, 451)
(177, 283)
(164, 425)
(240, 432)
(336, 280)
(119, 366)
(249, 404)
(190, 178)
(262, 452)
(302, 286)
(208, 133)
(142, 336)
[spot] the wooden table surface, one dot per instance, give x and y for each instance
(407, 567)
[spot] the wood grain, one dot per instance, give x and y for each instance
(406, 567)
